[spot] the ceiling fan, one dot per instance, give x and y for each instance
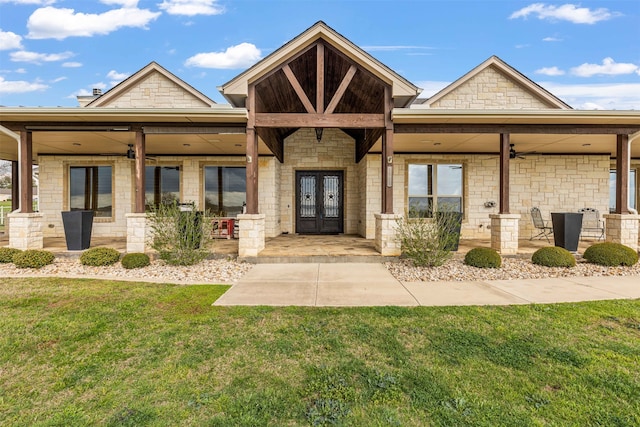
(513, 154)
(131, 154)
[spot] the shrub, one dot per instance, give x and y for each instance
(611, 254)
(33, 258)
(553, 256)
(483, 258)
(180, 237)
(135, 260)
(7, 254)
(98, 257)
(429, 242)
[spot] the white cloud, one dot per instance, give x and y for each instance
(20, 86)
(116, 77)
(239, 56)
(191, 7)
(566, 12)
(36, 2)
(430, 87)
(608, 67)
(123, 3)
(59, 79)
(38, 58)
(54, 23)
(551, 39)
(550, 71)
(614, 96)
(9, 40)
(72, 64)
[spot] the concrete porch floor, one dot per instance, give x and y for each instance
(307, 248)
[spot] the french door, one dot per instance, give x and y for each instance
(319, 202)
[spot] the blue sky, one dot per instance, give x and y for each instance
(587, 53)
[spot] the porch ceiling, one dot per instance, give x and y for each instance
(116, 143)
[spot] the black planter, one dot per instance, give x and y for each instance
(449, 224)
(77, 229)
(566, 229)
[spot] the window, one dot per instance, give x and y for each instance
(90, 189)
(633, 190)
(225, 189)
(162, 185)
(432, 187)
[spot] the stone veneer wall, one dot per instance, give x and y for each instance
(54, 189)
(558, 184)
(156, 91)
(490, 90)
(553, 183)
(336, 151)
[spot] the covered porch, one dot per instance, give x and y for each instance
(305, 248)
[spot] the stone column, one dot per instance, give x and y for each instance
(251, 229)
(621, 228)
(25, 231)
(504, 233)
(386, 240)
(136, 232)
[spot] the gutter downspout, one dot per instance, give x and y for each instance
(15, 136)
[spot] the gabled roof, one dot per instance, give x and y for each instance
(132, 81)
(510, 73)
(403, 91)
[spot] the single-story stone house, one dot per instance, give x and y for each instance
(320, 137)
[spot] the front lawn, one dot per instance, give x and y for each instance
(90, 352)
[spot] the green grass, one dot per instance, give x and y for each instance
(89, 352)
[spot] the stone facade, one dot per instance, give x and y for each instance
(623, 229)
(137, 232)
(553, 183)
(252, 237)
(157, 91)
(386, 239)
(490, 89)
(25, 231)
(504, 233)
(336, 151)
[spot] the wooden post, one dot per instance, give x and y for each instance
(26, 171)
(252, 153)
(623, 160)
(387, 154)
(140, 150)
(320, 78)
(15, 186)
(504, 173)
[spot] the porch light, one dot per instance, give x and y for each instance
(319, 134)
(131, 154)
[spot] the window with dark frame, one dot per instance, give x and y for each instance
(162, 185)
(225, 190)
(433, 187)
(90, 188)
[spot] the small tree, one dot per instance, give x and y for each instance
(180, 236)
(428, 242)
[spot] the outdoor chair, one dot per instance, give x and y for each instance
(591, 223)
(542, 227)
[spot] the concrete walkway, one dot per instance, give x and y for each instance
(353, 284)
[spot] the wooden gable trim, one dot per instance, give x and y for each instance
(344, 84)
